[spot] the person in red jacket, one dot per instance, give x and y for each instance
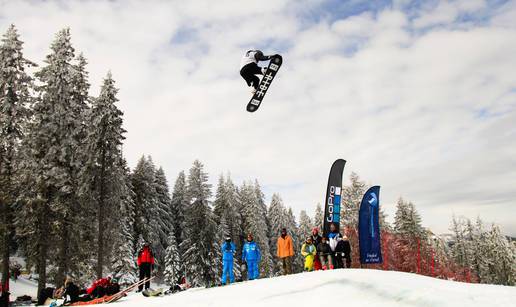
(98, 288)
(145, 264)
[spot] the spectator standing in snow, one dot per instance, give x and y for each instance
(343, 251)
(316, 239)
(309, 252)
(324, 253)
(251, 256)
(285, 252)
(228, 251)
(333, 237)
(145, 264)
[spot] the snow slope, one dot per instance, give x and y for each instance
(350, 287)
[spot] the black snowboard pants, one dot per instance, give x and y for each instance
(249, 72)
(145, 272)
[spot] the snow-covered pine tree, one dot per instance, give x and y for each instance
(292, 228)
(440, 255)
(384, 224)
(318, 217)
(139, 242)
(472, 238)
(502, 256)
(178, 206)
(163, 218)
(201, 243)
(220, 204)
(255, 223)
(305, 226)
(277, 220)
(260, 197)
(71, 223)
(460, 250)
(123, 257)
(234, 217)
(226, 211)
(102, 179)
(50, 157)
(407, 226)
(14, 99)
(351, 199)
(415, 223)
(173, 267)
(480, 249)
(145, 201)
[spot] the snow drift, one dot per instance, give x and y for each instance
(348, 287)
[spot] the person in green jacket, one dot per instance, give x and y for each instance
(309, 252)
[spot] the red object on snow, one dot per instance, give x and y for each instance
(103, 282)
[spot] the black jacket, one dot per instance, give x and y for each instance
(73, 291)
(323, 249)
(344, 247)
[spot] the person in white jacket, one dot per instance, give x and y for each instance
(249, 68)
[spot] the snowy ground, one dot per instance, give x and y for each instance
(343, 287)
(23, 286)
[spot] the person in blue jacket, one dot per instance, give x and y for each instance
(228, 250)
(251, 256)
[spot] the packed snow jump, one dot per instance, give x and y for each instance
(249, 70)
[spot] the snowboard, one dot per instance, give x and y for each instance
(152, 292)
(272, 70)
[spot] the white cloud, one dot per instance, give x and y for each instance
(426, 116)
(446, 12)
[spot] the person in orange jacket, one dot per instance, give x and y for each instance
(285, 251)
(145, 264)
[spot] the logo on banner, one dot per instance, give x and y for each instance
(373, 203)
(334, 199)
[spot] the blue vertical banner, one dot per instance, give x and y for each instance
(369, 227)
(332, 203)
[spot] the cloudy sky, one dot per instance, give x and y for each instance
(418, 96)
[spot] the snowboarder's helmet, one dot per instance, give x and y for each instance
(228, 239)
(250, 237)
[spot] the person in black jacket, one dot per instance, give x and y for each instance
(339, 253)
(343, 253)
(249, 67)
(324, 253)
(71, 293)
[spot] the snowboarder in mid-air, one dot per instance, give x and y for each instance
(249, 68)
